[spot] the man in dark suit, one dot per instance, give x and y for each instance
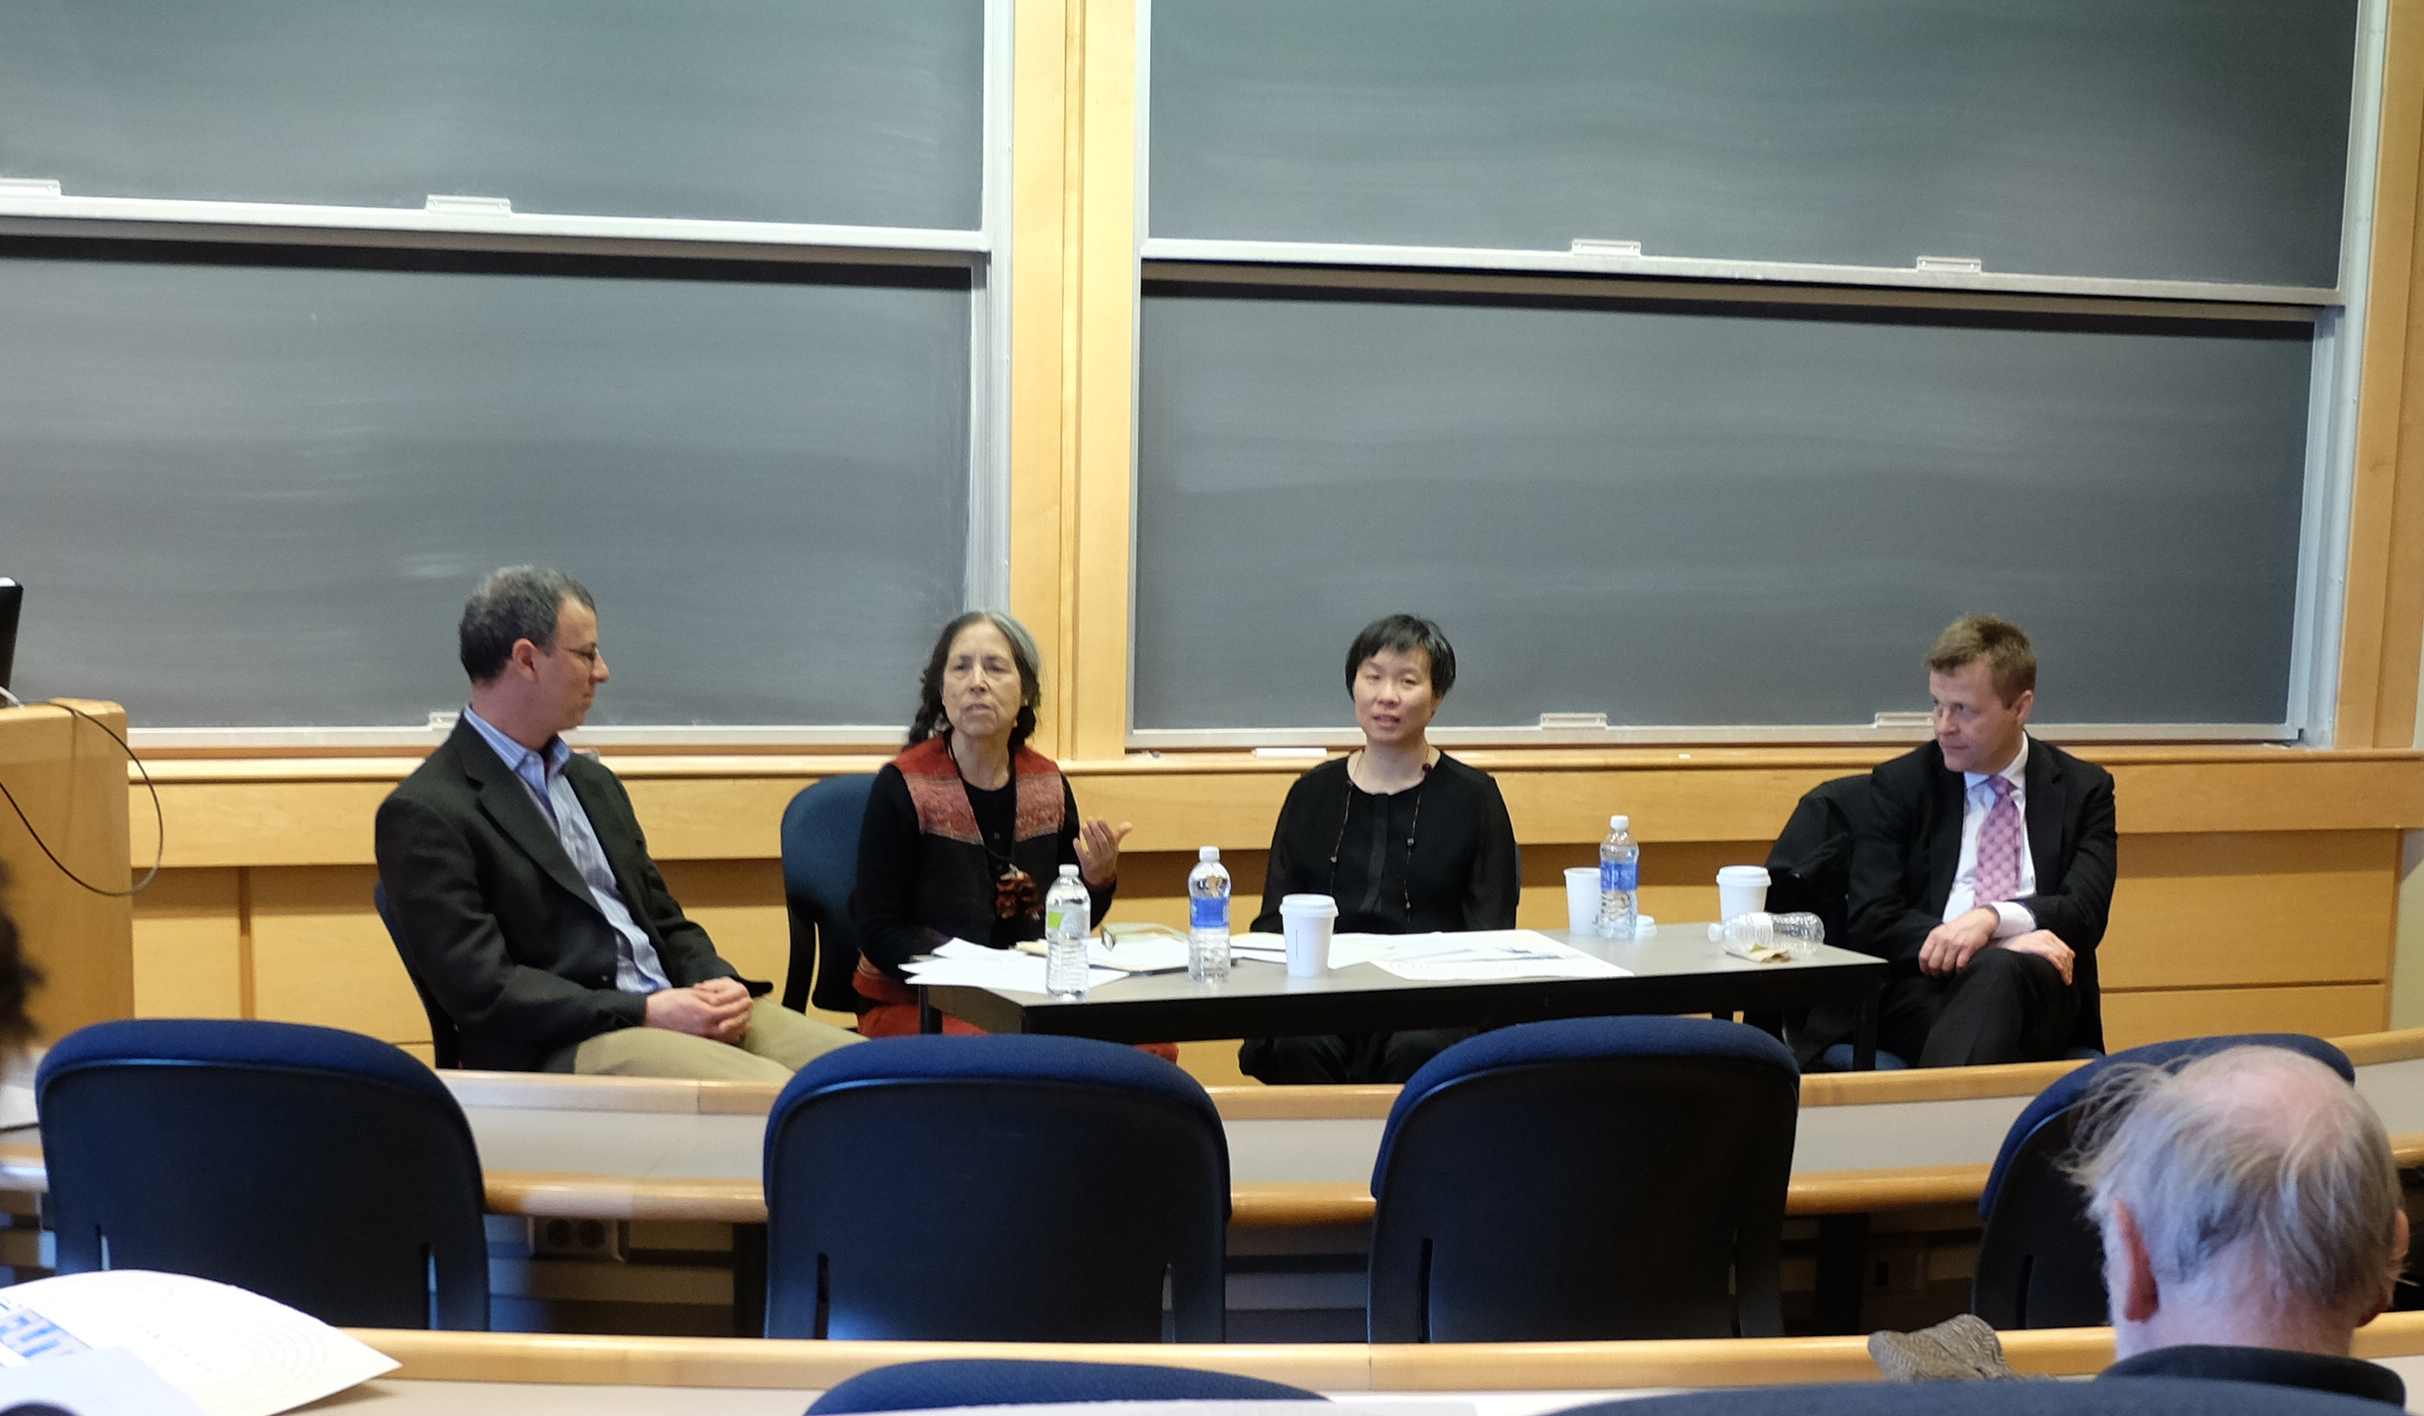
(1982, 869)
(524, 897)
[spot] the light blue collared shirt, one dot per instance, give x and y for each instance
(637, 969)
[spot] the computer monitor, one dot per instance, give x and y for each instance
(12, 597)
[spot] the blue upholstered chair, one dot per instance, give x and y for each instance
(1591, 1178)
(922, 1386)
(445, 1044)
(2115, 1396)
(2040, 1260)
(1012, 1188)
(327, 1170)
(820, 865)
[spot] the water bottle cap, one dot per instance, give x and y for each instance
(1208, 853)
(1620, 823)
(1068, 871)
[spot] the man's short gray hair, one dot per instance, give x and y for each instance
(2213, 1155)
(518, 602)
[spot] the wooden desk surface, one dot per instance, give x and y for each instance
(632, 1148)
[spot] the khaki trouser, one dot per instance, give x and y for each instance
(779, 1042)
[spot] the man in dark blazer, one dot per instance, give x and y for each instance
(1982, 869)
(523, 895)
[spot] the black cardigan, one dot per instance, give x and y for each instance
(1466, 872)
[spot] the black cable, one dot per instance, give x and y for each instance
(160, 821)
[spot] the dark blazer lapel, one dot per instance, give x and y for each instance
(507, 802)
(1945, 793)
(2047, 811)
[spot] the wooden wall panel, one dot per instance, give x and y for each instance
(2221, 909)
(271, 822)
(320, 955)
(189, 946)
(2335, 1010)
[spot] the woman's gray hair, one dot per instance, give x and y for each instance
(515, 603)
(2214, 1154)
(930, 717)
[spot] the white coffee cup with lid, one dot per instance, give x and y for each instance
(1741, 890)
(1305, 922)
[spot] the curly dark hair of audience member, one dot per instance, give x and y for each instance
(931, 718)
(18, 979)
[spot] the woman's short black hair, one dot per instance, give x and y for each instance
(931, 718)
(1405, 634)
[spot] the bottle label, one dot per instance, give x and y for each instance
(1619, 875)
(1059, 919)
(1208, 912)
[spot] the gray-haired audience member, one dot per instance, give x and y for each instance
(2251, 1218)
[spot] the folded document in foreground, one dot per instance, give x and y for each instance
(233, 1353)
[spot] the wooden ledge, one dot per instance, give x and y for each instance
(676, 761)
(569, 1360)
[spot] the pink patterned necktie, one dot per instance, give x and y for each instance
(1999, 846)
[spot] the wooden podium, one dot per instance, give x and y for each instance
(69, 779)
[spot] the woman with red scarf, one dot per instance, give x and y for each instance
(967, 828)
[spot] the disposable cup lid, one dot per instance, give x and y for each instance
(1742, 875)
(1308, 905)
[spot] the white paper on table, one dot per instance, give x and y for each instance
(234, 1353)
(1495, 970)
(1151, 953)
(1488, 955)
(967, 965)
(108, 1381)
(1348, 950)
(1136, 953)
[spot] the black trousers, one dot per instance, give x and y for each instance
(2002, 1007)
(1333, 1060)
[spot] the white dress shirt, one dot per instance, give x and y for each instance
(2011, 918)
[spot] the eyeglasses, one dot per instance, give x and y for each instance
(587, 656)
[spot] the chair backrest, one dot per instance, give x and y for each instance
(327, 1170)
(1012, 1188)
(2040, 1260)
(445, 1044)
(924, 1386)
(1591, 1178)
(1810, 866)
(2113, 1396)
(820, 865)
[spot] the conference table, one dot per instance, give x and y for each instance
(1678, 969)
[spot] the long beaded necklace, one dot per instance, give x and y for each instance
(1405, 878)
(1014, 892)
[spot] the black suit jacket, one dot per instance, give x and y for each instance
(1908, 846)
(496, 921)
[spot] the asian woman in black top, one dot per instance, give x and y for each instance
(1407, 839)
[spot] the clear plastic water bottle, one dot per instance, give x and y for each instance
(1797, 934)
(1208, 918)
(1619, 880)
(1068, 919)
